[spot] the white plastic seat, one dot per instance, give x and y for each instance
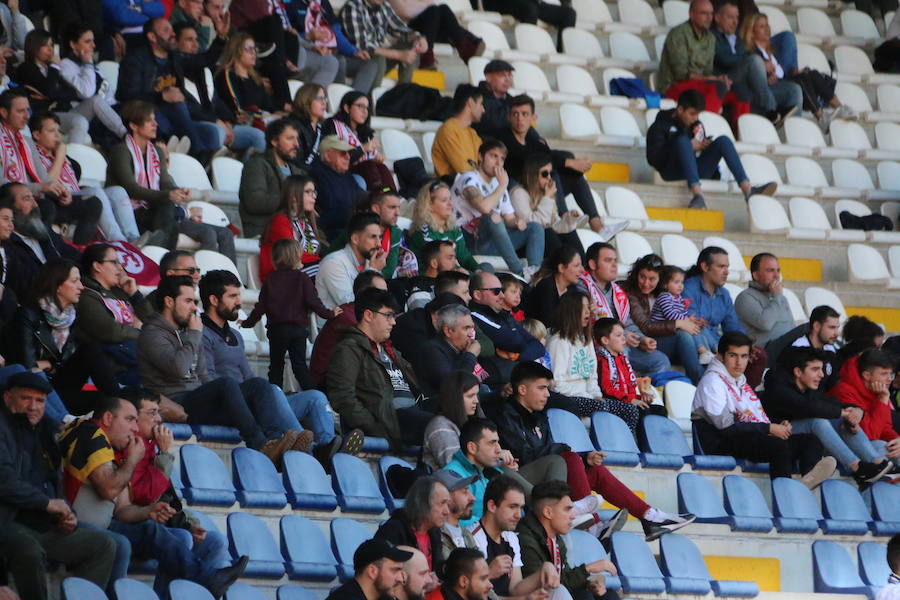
(889, 177)
(254, 282)
(154, 253)
(581, 43)
(887, 136)
(852, 64)
(856, 98)
(758, 131)
(294, 86)
(891, 210)
(679, 396)
(675, 12)
(857, 24)
(778, 21)
(613, 73)
(678, 250)
(716, 125)
(93, 165)
(861, 210)
(532, 79)
(854, 175)
(631, 247)
(618, 122)
(809, 56)
(207, 260)
(476, 69)
(538, 41)
(797, 310)
(866, 265)
(226, 174)
(571, 79)
(191, 88)
(496, 44)
(847, 134)
(464, 12)
(815, 26)
(578, 123)
(803, 171)
(427, 143)
(817, 296)
(631, 49)
(211, 214)
(810, 215)
(806, 134)
(398, 145)
(737, 270)
(187, 172)
(596, 15)
(733, 290)
(894, 260)
(768, 216)
(624, 203)
(888, 98)
(640, 14)
(761, 169)
(336, 91)
(109, 71)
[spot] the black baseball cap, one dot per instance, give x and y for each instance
(497, 66)
(29, 380)
(376, 549)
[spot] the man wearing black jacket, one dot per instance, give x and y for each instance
(677, 135)
(39, 525)
(820, 333)
(793, 394)
(454, 348)
(510, 340)
(496, 84)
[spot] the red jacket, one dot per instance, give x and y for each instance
(851, 389)
(280, 228)
(624, 388)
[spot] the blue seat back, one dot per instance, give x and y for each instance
(355, 485)
(633, 556)
(182, 589)
(842, 502)
(244, 591)
(306, 549)
(696, 495)
(385, 463)
(257, 481)
(306, 482)
(681, 558)
(792, 499)
(833, 569)
(583, 548)
(612, 435)
(872, 559)
(346, 537)
(76, 588)
(206, 521)
(886, 501)
(743, 498)
(132, 589)
(295, 592)
(567, 429)
(661, 435)
(205, 478)
(248, 535)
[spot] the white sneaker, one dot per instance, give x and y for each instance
(603, 531)
(172, 144)
(706, 358)
(825, 119)
(610, 231)
(529, 271)
(586, 522)
(587, 505)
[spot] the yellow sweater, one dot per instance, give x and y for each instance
(455, 149)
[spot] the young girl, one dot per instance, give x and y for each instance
(670, 306)
(287, 322)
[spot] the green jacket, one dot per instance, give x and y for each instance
(121, 172)
(685, 53)
(96, 322)
(390, 266)
(260, 191)
(424, 235)
(535, 552)
(359, 387)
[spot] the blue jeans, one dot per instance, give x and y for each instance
(880, 446)
(683, 164)
(648, 363)
(682, 348)
(497, 238)
(121, 560)
(246, 136)
(310, 404)
(173, 118)
(211, 552)
(785, 45)
(168, 546)
(222, 402)
(266, 405)
(846, 447)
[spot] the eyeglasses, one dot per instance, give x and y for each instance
(188, 270)
(250, 49)
(114, 261)
(364, 105)
(390, 316)
(321, 98)
(496, 291)
(312, 192)
(546, 174)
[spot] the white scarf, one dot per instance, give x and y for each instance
(18, 164)
(145, 176)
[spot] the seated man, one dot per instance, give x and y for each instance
(370, 385)
(223, 349)
(363, 251)
(418, 578)
(378, 568)
(495, 92)
(453, 348)
(337, 189)
(455, 148)
(731, 420)
(437, 257)
(466, 575)
(416, 326)
(375, 28)
(171, 361)
(418, 523)
(793, 394)
(821, 333)
(98, 488)
(453, 534)
(541, 538)
(484, 211)
(762, 307)
(38, 525)
(674, 140)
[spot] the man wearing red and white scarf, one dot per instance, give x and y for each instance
(18, 156)
(730, 419)
(608, 299)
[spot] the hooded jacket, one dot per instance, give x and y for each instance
(715, 410)
(666, 127)
(783, 401)
(171, 361)
(536, 551)
(851, 389)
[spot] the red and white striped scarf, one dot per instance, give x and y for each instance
(145, 176)
(601, 308)
(66, 176)
(316, 20)
(18, 164)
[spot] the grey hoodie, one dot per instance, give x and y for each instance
(765, 316)
(171, 361)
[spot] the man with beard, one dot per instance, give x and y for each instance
(820, 333)
(454, 535)
(466, 577)
(417, 577)
(363, 251)
(378, 567)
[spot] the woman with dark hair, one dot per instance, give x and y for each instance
(859, 334)
(351, 124)
(558, 273)
(44, 338)
(308, 112)
(458, 400)
(296, 218)
(674, 338)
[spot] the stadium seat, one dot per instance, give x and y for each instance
(584, 45)
(848, 134)
(182, 589)
(131, 589)
(887, 136)
(888, 97)
(476, 69)
(866, 265)
(211, 214)
(624, 203)
(778, 22)
(76, 588)
(109, 71)
(640, 14)
(761, 169)
(346, 536)
(805, 133)
(532, 80)
(307, 485)
(187, 172)
(737, 270)
(631, 246)
(889, 177)
(862, 210)
(616, 121)
(687, 573)
(583, 548)
(816, 296)
(496, 44)
(596, 15)
(804, 172)
(843, 508)
(572, 79)
(630, 50)
(746, 505)
(727, 462)
(568, 429)
(154, 253)
(852, 64)
(678, 250)
(92, 163)
(398, 145)
(796, 511)
(614, 73)
(886, 508)
(872, 560)
(385, 463)
(355, 485)
(715, 125)
(306, 551)
(295, 592)
(205, 479)
(258, 484)
(809, 56)
(833, 571)
(663, 443)
(697, 496)
(812, 216)
(797, 310)
(760, 132)
(638, 570)
(857, 24)
(612, 436)
(678, 396)
(853, 96)
(248, 535)
(578, 123)
(243, 591)
(336, 91)
(675, 12)
(815, 26)
(733, 291)
(767, 215)
(538, 41)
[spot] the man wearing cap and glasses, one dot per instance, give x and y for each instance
(338, 190)
(497, 81)
(378, 568)
(510, 340)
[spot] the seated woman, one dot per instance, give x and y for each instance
(139, 166)
(296, 218)
(818, 88)
(308, 111)
(433, 220)
(558, 273)
(44, 338)
(351, 124)
(111, 309)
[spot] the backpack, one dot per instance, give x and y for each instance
(633, 87)
(414, 101)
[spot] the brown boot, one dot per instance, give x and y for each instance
(469, 47)
(427, 60)
(304, 441)
(276, 448)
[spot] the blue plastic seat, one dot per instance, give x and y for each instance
(346, 536)
(687, 573)
(355, 486)
(795, 508)
(150, 566)
(217, 433)
(306, 550)
(583, 548)
(248, 535)
(180, 431)
(568, 429)
(385, 463)
(843, 508)
(76, 588)
(833, 571)
(709, 461)
(175, 478)
(206, 521)
(746, 505)
(886, 508)
(295, 592)
(205, 478)
(182, 589)
(872, 560)
(258, 483)
(612, 435)
(307, 485)
(638, 570)
(663, 444)
(244, 591)
(697, 496)
(132, 589)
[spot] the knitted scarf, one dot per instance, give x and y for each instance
(315, 19)
(18, 164)
(145, 176)
(66, 176)
(60, 320)
(601, 308)
(613, 369)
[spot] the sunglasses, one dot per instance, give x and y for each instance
(545, 174)
(496, 291)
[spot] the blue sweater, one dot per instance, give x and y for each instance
(716, 309)
(224, 352)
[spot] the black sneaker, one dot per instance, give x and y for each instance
(766, 189)
(325, 452)
(353, 442)
(697, 202)
(222, 579)
(654, 530)
(616, 523)
(870, 472)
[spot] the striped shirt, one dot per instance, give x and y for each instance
(667, 307)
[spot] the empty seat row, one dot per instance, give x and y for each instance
(834, 573)
(75, 588)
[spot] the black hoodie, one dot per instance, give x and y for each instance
(783, 401)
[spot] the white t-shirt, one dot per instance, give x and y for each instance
(510, 537)
(467, 216)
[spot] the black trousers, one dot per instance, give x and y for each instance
(159, 217)
(290, 338)
(83, 211)
(529, 11)
(438, 24)
(88, 361)
(270, 30)
(413, 421)
(780, 454)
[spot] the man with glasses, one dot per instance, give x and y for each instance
(338, 270)
(338, 190)
(370, 384)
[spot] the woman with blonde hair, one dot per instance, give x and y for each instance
(308, 111)
(433, 220)
(295, 219)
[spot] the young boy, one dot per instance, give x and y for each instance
(617, 378)
(539, 332)
(891, 591)
(511, 297)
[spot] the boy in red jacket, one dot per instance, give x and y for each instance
(617, 378)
